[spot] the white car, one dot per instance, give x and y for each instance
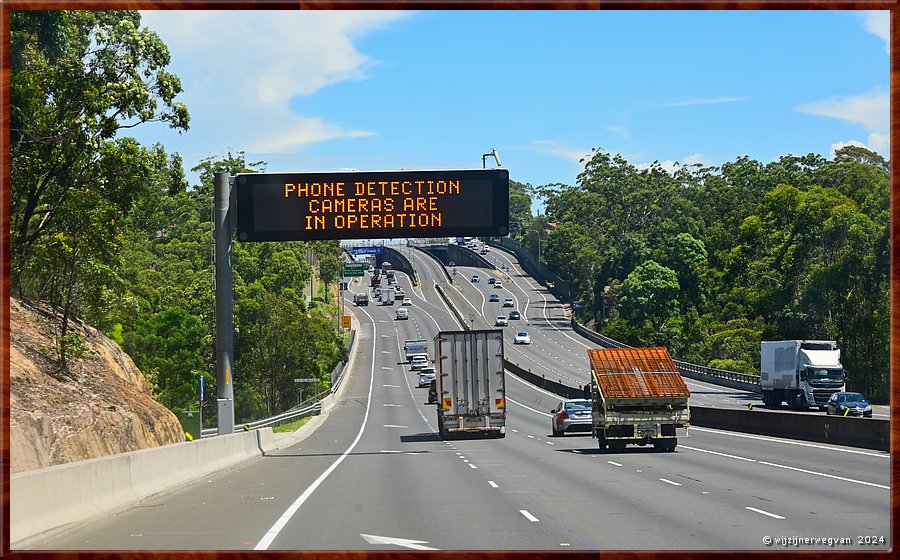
(407, 301)
(508, 302)
(426, 376)
(418, 362)
(522, 338)
(402, 313)
(501, 321)
(498, 284)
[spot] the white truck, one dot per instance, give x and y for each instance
(637, 396)
(415, 347)
(387, 296)
(802, 373)
(470, 383)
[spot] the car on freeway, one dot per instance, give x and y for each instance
(498, 284)
(491, 280)
(402, 314)
(514, 315)
(432, 392)
(426, 376)
(483, 251)
(508, 302)
(418, 362)
(407, 301)
(501, 321)
(399, 293)
(475, 278)
(452, 264)
(494, 298)
(571, 415)
(522, 338)
(846, 403)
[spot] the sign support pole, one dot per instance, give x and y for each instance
(224, 304)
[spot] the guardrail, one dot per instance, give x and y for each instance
(337, 376)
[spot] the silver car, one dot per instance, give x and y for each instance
(571, 415)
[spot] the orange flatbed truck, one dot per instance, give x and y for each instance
(638, 396)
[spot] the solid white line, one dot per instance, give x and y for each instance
(273, 532)
(717, 453)
(493, 484)
(764, 512)
(791, 442)
(536, 388)
(825, 475)
(528, 516)
(670, 482)
(527, 407)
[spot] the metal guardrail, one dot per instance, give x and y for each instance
(283, 417)
(337, 376)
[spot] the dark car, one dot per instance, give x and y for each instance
(514, 315)
(494, 298)
(432, 392)
(846, 403)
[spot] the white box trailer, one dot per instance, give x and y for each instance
(470, 382)
(387, 296)
(803, 373)
(415, 347)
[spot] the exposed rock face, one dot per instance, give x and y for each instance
(103, 407)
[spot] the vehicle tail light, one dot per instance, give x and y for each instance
(562, 414)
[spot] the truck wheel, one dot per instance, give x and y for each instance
(601, 441)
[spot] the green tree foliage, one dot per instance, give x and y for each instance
(78, 78)
(795, 248)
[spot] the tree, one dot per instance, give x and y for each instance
(77, 79)
(649, 294)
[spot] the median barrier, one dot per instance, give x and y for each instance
(46, 499)
(868, 433)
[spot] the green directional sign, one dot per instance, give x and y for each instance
(354, 269)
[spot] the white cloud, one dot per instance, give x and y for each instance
(240, 69)
(871, 110)
(620, 129)
(550, 148)
(878, 22)
(711, 101)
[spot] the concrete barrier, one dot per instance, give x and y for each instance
(51, 498)
(868, 433)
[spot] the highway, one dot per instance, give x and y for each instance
(375, 476)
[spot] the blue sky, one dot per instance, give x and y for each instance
(384, 90)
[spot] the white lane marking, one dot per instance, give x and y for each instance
(273, 531)
(535, 387)
(394, 426)
(528, 516)
(529, 435)
(385, 352)
(550, 443)
(527, 407)
(764, 512)
(386, 367)
(717, 453)
(473, 466)
(614, 463)
(393, 405)
(406, 543)
(394, 386)
(825, 475)
(667, 481)
(791, 442)
(788, 468)
(493, 484)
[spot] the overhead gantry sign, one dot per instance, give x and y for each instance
(372, 204)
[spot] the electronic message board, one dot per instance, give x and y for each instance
(372, 204)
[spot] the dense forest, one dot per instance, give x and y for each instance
(709, 261)
(109, 231)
